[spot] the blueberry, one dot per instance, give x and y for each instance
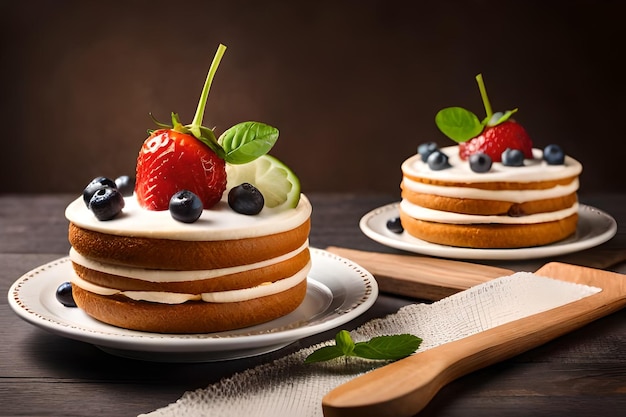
(96, 184)
(394, 225)
(512, 157)
(480, 162)
(246, 199)
(64, 295)
(106, 203)
(438, 161)
(554, 155)
(185, 206)
(125, 185)
(425, 149)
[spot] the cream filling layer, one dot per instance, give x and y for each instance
(230, 296)
(515, 196)
(159, 275)
(218, 223)
(533, 170)
(423, 213)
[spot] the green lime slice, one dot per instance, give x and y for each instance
(278, 184)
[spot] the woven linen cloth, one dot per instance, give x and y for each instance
(289, 387)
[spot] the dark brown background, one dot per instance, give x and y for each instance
(353, 86)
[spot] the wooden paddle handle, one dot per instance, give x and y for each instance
(427, 278)
(418, 276)
(403, 388)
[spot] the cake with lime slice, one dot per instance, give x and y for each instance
(213, 236)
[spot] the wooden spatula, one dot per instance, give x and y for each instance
(418, 276)
(427, 278)
(403, 388)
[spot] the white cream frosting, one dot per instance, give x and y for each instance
(160, 275)
(515, 196)
(231, 296)
(423, 213)
(218, 223)
(534, 170)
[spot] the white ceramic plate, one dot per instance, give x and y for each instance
(594, 227)
(338, 291)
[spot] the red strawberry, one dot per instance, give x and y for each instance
(497, 130)
(170, 161)
(496, 139)
(178, 157)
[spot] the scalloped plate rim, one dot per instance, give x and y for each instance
(339, 289)
(594, 228)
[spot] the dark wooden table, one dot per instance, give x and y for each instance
(580, 374)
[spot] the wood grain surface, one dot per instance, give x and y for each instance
(579, 374)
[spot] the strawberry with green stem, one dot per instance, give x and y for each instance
(190, 157)
(492, 136)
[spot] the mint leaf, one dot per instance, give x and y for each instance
(325, 353)
(458, 124)
(247, 141)
(498, 117)
(378, 348)
(344, 342)
(388, 347)
(461, 125)
(344, 346)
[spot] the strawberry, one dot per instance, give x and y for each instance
(178, 157)
(492, 136)
(496, 139)
(170, 161)
(190, 157)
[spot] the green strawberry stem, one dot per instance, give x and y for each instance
(483, 94)
(196, 124)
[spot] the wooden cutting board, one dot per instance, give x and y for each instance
(403, 388)
(427, 278)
